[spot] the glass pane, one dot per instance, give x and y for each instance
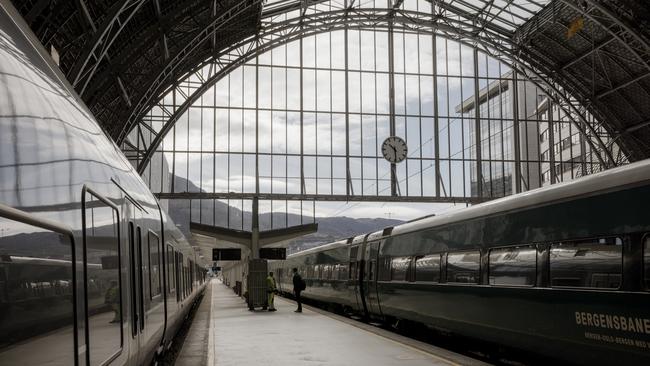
(399, 268)
(171, 283)
(428, 268)
(35, 296)
(594, 263)
(513, 266)
(463, 267)
(103, 281)
(384, 269)
(154, 260)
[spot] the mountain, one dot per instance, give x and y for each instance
(329, 228)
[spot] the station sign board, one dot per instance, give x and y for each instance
(273, 253)
(226, 254)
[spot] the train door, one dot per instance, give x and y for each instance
(353, 281)
(370, 278)
(362, 273)
(104, 302)
(136, 305)
(154, 296)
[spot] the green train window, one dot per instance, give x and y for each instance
(427, 269)
(463, 267)
(646, 262)
(590, 263)
(513, 266)
(399, 268)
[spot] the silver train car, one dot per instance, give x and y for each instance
(92, 270)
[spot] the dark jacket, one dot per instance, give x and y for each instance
(296, 282)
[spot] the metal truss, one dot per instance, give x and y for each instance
(168, 72)
(631, 63)
(316, 197)
(470, 32)
(97, 48)
(110, 88)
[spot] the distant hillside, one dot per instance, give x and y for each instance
(329, 228)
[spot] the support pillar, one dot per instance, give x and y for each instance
(255, 230)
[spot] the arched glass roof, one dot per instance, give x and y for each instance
(309, 117)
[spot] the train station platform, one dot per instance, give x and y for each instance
(225, 333)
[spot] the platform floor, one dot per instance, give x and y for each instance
(237, 336)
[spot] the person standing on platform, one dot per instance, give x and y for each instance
(270, 290)
(298, 286)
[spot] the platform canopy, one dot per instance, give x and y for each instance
(122, 56)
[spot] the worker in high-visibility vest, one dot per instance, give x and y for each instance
(270, 290)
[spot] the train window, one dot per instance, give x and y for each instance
(188, 280)
(592, 263)
(463, 267)
(183, 275)
(141, 276)
(103, 285)
(36, 293)
(646, 262)
(427, 268)
(181, 283)
(371, 269)
(171, 283)
(343, 272)
(400, 268)
(179, 275)
(188, 277)
(192, 272)
(154, 265)
(186, 287)
(384, 269)
(335, 271)
(514, 266)
(132, 268)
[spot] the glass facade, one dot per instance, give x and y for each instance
(306, 119)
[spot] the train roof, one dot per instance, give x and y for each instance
(627, 175)
(320, 248)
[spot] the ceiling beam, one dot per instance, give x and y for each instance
(96, 49)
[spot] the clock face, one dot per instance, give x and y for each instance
(394, 149)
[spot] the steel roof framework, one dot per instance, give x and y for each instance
(124, 56)
(606, 66)
(272, 34)
(115, 50)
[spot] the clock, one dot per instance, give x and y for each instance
(394, 149)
